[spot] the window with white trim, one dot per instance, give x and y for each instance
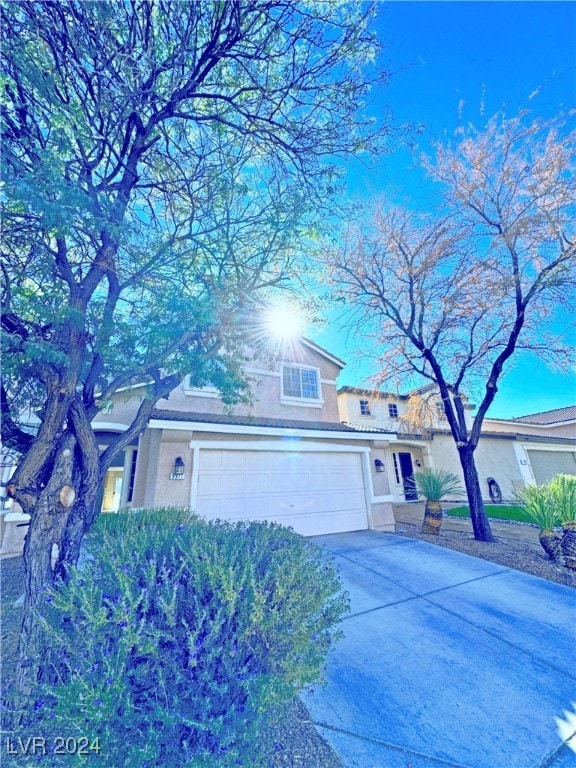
(365, 408)
(300, 383)
(393, 410)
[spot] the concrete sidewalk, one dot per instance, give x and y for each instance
(447, 660)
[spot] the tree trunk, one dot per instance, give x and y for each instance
(432, 518)
(569, 544)
(551, 543)
(79, 521)
(480, 524)
(47, 524)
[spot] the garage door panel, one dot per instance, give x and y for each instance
(314, 492)
(289, 480)
(345, 500)
(257, 482)
(212, 459)
(546, 464)
(235, 460)
(211, 483)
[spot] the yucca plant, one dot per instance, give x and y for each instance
(434, 485)
(562, 490)
(540, 508)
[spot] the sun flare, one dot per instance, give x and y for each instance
(284, 324)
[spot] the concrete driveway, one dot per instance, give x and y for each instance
(447, 660)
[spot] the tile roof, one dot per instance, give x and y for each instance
(372, 393)
(549, 417)
(261, 421)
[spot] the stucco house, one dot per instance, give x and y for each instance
(286, 457)
(515, 453)
(304, 453)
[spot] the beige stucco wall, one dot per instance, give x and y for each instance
(495, 457)
(265, 392)
(383, 517)
(349, 409)
(349, 406)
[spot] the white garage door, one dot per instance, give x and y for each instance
(314, 492)
(546, 464)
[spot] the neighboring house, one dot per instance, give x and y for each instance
(285, 458)
(515, 453)
(545, 442)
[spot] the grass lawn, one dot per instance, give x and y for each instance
(497, 511)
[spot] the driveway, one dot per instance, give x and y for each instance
(447, 660)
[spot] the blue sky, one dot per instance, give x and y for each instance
(461, 61)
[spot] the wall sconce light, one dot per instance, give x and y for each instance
(379, 464)
(418, 463)
(179, 467)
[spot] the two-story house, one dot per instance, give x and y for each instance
(513, 453)
(285, 458)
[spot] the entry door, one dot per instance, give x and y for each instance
(407, 470)
(113, 489)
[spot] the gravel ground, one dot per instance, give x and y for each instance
(509, 552)
(296, 743)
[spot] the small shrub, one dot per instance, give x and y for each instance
(435, 484)
(177, 638)
(538, 506)
(562, 489)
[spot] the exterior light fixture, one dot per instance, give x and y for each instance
(379, 464)
(179, 468)
(418, 463)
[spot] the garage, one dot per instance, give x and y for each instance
(314, 492)
(546, 464)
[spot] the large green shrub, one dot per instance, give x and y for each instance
(538, 506)
(177, 638)
(563, 493)
(551, 504)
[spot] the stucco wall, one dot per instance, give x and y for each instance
(495, 457)
(349, 408)
(170, 492)
(159, 449)
(349, 405)
(265, 389)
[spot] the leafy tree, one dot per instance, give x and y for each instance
(450, 295)
(162, 164)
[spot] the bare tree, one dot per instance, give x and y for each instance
(450, 295)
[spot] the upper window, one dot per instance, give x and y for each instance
(440, 412)
(365, 408)
(301, 383)
(393, 410)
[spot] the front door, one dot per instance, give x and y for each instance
(407, 471)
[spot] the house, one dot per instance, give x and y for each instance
(285, 458)
(545, 442)
(514, 453)
(304, 453)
